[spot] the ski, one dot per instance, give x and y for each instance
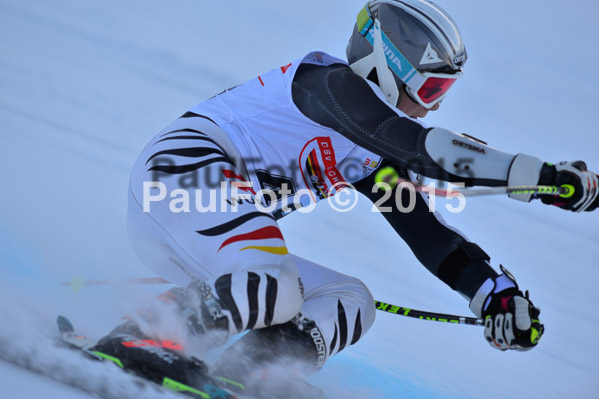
(208, 388)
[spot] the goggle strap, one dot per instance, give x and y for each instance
(386, 79)
(397, 62)
(365, 21)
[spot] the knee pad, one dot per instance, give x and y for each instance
(260, 296)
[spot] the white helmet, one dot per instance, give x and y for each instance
(407, 43)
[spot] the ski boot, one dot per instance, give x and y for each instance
(162, 361)
(272, 362)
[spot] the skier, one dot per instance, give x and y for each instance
(320, 125)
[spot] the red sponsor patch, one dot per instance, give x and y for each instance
(143, 343)
(318, 167)
(328, 156)
(260, 234)
(284, 68)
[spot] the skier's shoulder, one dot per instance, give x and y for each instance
(311, 70)
(321, 58)
(327, 90)
(324, 76)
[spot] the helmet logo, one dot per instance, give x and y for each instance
(430, 56)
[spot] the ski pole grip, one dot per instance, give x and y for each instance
(567, 191)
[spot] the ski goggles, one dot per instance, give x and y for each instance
(426, 88)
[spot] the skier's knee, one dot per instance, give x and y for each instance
(343, 312)
(356, 304)
(355, 298)
(365, 302)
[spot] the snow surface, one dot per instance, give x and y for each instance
(84, 85)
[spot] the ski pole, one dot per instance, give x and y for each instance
(390, 177)
(77, 283)
(431, 316)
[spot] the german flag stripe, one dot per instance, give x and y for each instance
(315, 166)
(270, 250)
(260, 234)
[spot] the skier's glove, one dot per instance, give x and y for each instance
(584, 184)
(511, 320)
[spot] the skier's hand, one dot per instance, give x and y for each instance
(511, 320)
(585, 184)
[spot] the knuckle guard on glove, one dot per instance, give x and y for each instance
(523, 319)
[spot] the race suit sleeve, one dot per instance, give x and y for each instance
(444, 251)
(335, 97)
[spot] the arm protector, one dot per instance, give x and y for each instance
(461, 264)
(335, 97)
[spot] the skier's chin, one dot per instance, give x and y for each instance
(420, 114)
(412, 108)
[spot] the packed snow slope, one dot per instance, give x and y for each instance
(84, 85)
